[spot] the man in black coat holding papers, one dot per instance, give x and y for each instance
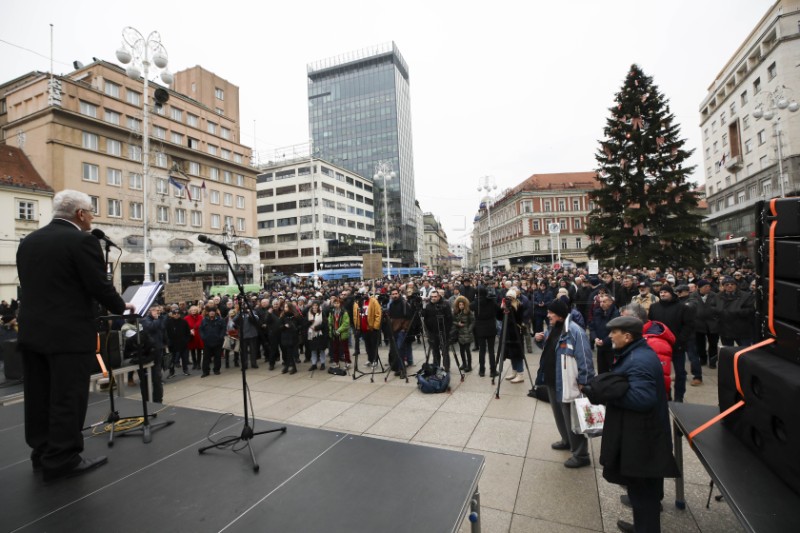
(62, 273)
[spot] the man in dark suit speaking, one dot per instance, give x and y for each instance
(61, 271)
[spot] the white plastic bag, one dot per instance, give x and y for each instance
(587, 418)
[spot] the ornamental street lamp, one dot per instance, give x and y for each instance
(776, 102)
(383, 171)
(488, 185)
(142, 53)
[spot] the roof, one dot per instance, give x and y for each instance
(559, 181)
(16, 170)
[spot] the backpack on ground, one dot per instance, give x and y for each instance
(432, 379)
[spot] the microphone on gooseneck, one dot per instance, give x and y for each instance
(207, 240)
(100, 234)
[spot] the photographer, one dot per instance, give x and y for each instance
(438, 319)
(368, 323)
(400, 313)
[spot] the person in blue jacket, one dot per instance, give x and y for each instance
(212, 330)
(564, 337)
(636, 450)
(542, 297)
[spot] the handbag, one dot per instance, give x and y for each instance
(587, 418)
(569, 378)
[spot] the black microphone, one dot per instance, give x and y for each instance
(100, 234)
(221, 246)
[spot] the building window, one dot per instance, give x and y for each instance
(708, 152)
(578, 243)
(716, 147)
(194, 168)
(213, 173)
(240, 225)
(766, 188)
(725, 139)
(732, 108)
(547, 206)
(722, 119)
(229, 223)
(756, 85)
(772, 71)
(95, 205)
(162, 186)
(26, 210)
(196, 192)
(764, 162)
(176, 114)
(212, 150)
(225, 133)
(743, 98)
(214, 197)
(193, 143)
(751, 191)
(576, 223)
(135, 210)
(135, 181)
(180, 217)
(90, 110)
(114, 177)
(227, 199)
(240, 202)
(197, 219)
(563, 223)
(227, 176)
(134, 152)
(112, 89)
(536, 225)
(114, 208)
(176, 138)
(219, 94)
(740, 197)
(748, 146)
(215, 221)
(134, 124)
(762, 137)
(562, 205)
(162, 214)
(113, 147)
(240, 180)
(745, 122)
(91, 172)
(160, 160)
(133, 98)
(226, 154)
(90, 141)
(564, 244)
(112, 117)
(192, 120)
(159, 132)
(212, 128)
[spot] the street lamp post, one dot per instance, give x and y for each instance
(145, 52)
(167, 266)
(383, 170)
(488, 185)
(261, 268)
(776, 102)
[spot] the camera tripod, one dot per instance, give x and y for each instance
(443, 345)
(503, 342)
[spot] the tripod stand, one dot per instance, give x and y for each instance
(503, 342)
(247, 430)
(113, 417)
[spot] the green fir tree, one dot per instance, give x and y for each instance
(645, 208)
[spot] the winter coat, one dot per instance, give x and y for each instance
(541, 299)
(573, 342)
(196, 343)
(636, 435)
(374, 314)
(598, 328)
(154, 327)
(706, 319)
(514, 329)
(344, 324)
(213, 331)
(289, 324)
(485, 309)
(677, 317)
(463, 321)
(661, 340)
(315, 334)
(736, 314)
(178, 334)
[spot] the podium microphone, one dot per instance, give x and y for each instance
(100, 234)
(221, 246)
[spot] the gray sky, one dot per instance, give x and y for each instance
(506, 89)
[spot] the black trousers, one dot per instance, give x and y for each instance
(56, 388)
(713, 349)
(605, 354)
(645, 495)
(249, 351)
(483, 344)
(371, 339)
(212, 353)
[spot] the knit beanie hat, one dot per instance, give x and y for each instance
(558, 307)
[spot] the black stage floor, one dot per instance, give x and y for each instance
(310, 480)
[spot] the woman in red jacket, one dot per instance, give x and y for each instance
(195, 346)
(659, 338)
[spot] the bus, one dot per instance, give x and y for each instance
(355, 273)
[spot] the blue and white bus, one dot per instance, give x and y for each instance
(355, 273)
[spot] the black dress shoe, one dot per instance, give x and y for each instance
(285, 370)
(560, 445)
(625, 527)
(86, 465)
(293, 370)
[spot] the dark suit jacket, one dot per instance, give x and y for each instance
(61, 272)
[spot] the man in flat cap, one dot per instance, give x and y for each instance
(636, 450)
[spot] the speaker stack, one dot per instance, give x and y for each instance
(769, 376)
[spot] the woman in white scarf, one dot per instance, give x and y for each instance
(316, 338)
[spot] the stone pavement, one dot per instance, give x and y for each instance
(524, 487)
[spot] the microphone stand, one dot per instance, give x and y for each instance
(247, 431)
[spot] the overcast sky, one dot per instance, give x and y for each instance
(506, 89)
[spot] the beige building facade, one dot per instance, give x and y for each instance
(742, 153)
(435, 253)
(84, 131)
(521, 217)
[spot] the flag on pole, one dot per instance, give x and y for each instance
(188, 193)
(178, 185)
(203, 189)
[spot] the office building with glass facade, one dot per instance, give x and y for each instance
(359, 112)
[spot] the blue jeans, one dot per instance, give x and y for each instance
(403, 347)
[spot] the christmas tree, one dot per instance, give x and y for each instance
(645, 209)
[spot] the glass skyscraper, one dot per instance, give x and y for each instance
(359, 113)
